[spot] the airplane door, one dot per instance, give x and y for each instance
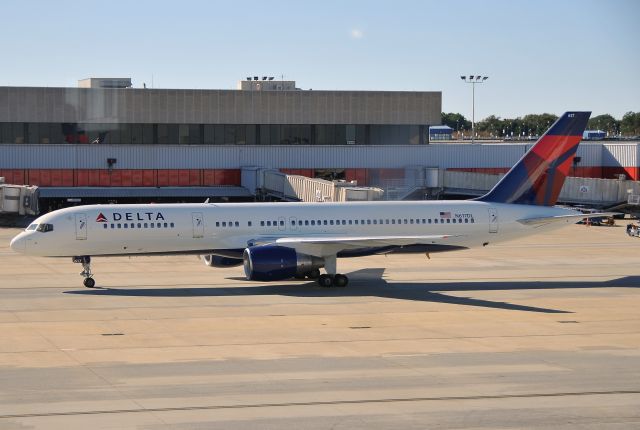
(81, 227)
(282, 223)
(198, 224)
(294, 223)
(493, 220)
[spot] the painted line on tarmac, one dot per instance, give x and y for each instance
(321, 403)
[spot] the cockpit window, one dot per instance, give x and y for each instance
(32, 227)
(45, 228)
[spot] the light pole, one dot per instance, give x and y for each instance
(473, 80)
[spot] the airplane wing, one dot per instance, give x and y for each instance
(326, 245)
(569, 219)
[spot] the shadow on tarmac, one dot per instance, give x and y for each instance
(369, 282)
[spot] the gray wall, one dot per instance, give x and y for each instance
(24, 104)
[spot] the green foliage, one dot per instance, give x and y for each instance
(536, 124)
(456, 121)
(605, 123)
(630, 124)
(533, 125)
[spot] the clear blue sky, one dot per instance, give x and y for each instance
(541, 56)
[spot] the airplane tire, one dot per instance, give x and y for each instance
(314, 274)
(89, 282)
(325, 281)
(340, 280)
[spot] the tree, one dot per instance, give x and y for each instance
(456, 121)
(491, 125)
(630, 124)
(605, 123)
(537, 124)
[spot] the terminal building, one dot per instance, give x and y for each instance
(108, 140)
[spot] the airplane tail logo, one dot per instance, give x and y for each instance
(538, 177)
(101, 218)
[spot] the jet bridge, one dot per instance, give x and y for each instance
(273, 184)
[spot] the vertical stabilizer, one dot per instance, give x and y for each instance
(539, 175)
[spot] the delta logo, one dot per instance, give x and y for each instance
(131, 216)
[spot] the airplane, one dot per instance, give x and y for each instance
(278, 241)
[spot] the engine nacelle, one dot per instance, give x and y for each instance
(275, 263)
(220, 261)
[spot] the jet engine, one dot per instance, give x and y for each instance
(276, 263)
(220, 261)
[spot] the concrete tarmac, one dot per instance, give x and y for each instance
(542, 332)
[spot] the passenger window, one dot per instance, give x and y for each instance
(249, 223)
(313, 222)
(386, 221)
(331, 222)
(324, 222)
(146, 225)
(393, 221)
(282, 223)
(237, 223)
(356, 222)
(344, 222)
(472, 221)
(306, 222)
(139, 225)
(411, 220)
(268, 223)
(293, 223)
(166, 225)
(113, 225)
(350, 222)
(368, 221)
(104, 225)
(429, 220)
(126, 225)
(224, 223)
(375, 221)
(261, 223)
(448, 220)
(435, 221)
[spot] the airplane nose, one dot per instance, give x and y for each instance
(19, 243)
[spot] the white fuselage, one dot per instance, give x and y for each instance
(197, 228)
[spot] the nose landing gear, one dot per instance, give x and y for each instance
(85, 260)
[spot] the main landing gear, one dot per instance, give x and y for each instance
(85, 260)
(337, 280)
(331, 278)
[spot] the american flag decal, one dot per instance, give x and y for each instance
(445, 215)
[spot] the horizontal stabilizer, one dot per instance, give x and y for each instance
(569, 219)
